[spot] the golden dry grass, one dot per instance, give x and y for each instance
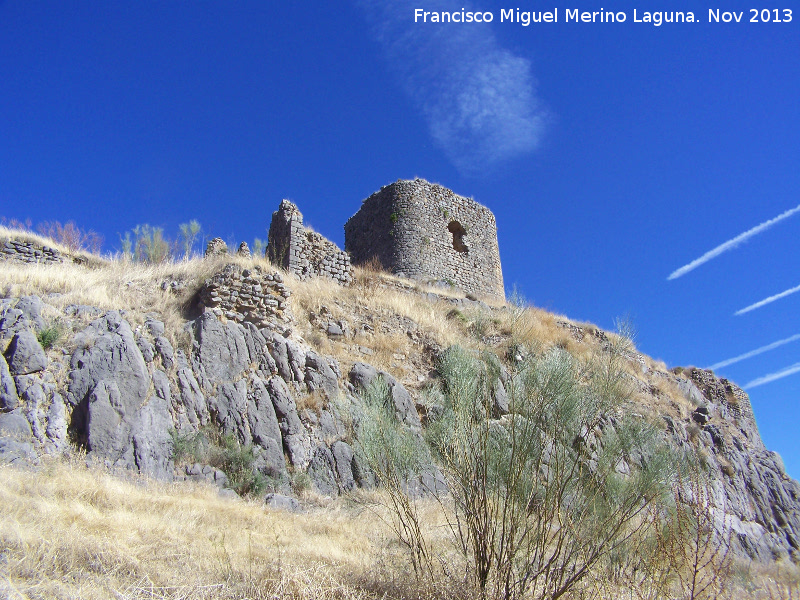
(70, 531)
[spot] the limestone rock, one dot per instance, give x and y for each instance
(25, 355)
(152, 443)
(362, 375)
(8, 389)
(296, 440)
(220, 351)
(107, 352)
(320, 376)
(281, 502)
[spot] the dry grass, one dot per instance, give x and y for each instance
(68, 531)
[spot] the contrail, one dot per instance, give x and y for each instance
(768, 300)
(733, 243)
(478, 98)
(755, 352)
(795, 368)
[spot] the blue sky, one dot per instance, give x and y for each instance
(612, 154)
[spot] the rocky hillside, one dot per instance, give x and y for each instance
(159, 370)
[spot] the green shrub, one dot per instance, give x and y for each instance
(50, 336)
(236, 461)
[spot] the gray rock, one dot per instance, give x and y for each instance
(690, 391)
(343, 459)
(261, 414)
(34, 398)
(57, 421)
(296, 440)
(230, 409)
(363, 475)
(25, 354)
(320, 376)
(500, 407)
(330, 426)
(107, 352)
(14, 452)
(108, 424)
(281, 502)
(269, 459)
(334, 330)
(31, 307)
(280, 354)
(154, 326)
(321, 471)
(147, 349)
(82, 311)
(192, 402)
(152, 443)
(12, 322)
(220, 351)
(258, 349)
(165, 351)
(9, 400)
(362, 375)
(15, 426)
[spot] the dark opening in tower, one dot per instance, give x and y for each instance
(458, 231)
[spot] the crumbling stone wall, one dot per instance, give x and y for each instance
(248, 295)
(304, 252)
(725, 393)
(29, 252)
(427, 232)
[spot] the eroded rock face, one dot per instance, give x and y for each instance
(123, 420)
(749, 487)
(25, 355)
(362, 375)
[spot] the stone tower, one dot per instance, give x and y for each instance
(427, 232)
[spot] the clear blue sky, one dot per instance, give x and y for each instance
(611, 153)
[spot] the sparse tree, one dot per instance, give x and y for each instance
(188, 236)
(70, 235)
(396, 455)
(544, 494)
(149, 244)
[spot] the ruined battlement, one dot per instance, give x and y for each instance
(427, 232)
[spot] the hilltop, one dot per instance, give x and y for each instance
(150, 411)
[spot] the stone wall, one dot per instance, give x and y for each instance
(28, 252)
(302, 251)
(427, 232)
(248, 295)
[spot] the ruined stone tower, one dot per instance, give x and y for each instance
(427, 232)
(304, 252)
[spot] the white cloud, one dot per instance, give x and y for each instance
(795, 368)
(755, 352)
(732, 243)
(761, 303)
(478, 99)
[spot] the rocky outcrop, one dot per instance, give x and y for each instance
(127, 390)
(749, 488)
(30, 252)
(362, 375)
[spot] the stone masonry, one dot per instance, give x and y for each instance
(304, 252)
(248, 295)
(427, 232)
(29, 252)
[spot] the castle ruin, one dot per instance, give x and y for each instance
(302, 251)
(427, 232)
